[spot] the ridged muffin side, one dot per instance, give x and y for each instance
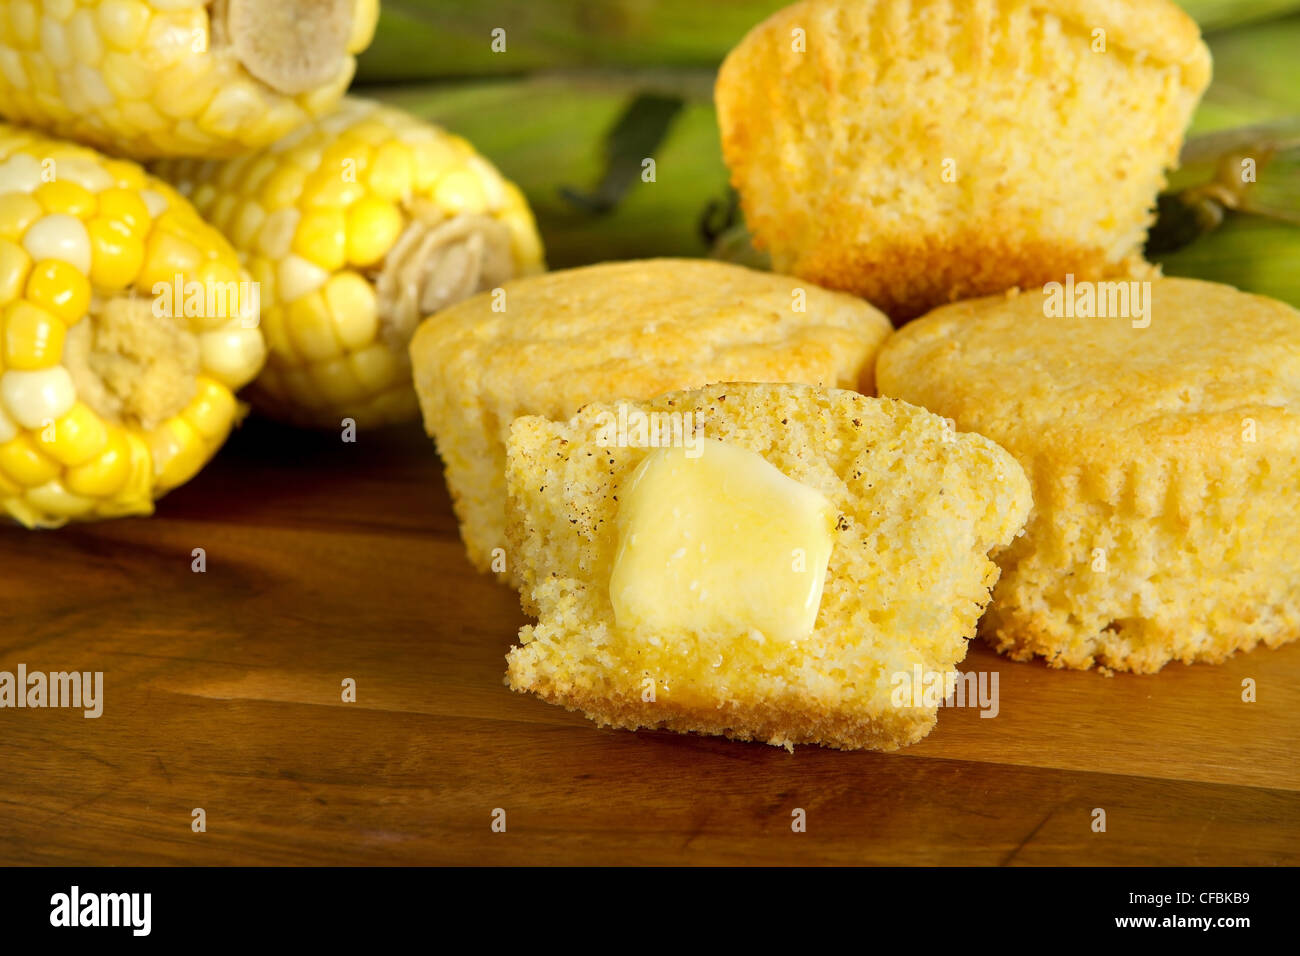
(1165, 463)
(916, 152)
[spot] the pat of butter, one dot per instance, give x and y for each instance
(720, 542)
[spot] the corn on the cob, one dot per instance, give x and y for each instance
(151, 78)
(107, 401)
(356, 227)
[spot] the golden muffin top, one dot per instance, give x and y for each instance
(548, 344)
(1184, 361)
(1158, 29)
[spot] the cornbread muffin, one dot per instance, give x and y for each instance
(920, 151)
(1165, 462)
(914, 509)
(550, 344)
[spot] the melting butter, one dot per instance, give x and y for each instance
(719, 541)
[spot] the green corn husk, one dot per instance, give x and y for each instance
(1215, 15)
(428, 39)
(1253, 253)
(1218, 223)
(551, 135)
(1255, 77)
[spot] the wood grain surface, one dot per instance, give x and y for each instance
(327, 560)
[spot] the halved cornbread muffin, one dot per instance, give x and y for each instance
(1163, 445)
(549, 344)
(776, 567)
(921, 151)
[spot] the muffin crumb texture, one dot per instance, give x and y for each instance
(918, 505)
(628, 330)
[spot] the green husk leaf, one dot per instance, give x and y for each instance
(1214, 15)
(426, 39)
(1250, 252)
(634, 138)
(1255, 77)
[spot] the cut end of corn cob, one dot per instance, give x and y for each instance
(356, 227)
(153, 78)
(124, 333)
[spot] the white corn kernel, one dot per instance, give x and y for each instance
(297, 277)
(34, 399)
(233, 355)
(155, 202)
(85, 173)
(20, 173)
(60, 237)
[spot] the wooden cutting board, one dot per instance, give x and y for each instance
(328, 561)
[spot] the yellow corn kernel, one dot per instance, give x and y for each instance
(232, 355)
(222, 289)
(312, 329)
(335, 382)
(321, 238)
(126, 207)
(330, 188)
(349, 158)
(433, 160)
(104, 473)
(17, 212)
(351, 303)
(247, 223)
(33, 338)
(59, 289)
(277, 333)
(165, 257)
(178, 452)
(212, 410)
(373, 226)
(392, 172)
(15, 264)
(62, 196)
(283, 187)
(377, 368)
(122, 22)
(75, 438)
(83, 38)
(117, 254)
(25, 19)
(23, 462)
(460, 191)
(52, 499)
(363, 28)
